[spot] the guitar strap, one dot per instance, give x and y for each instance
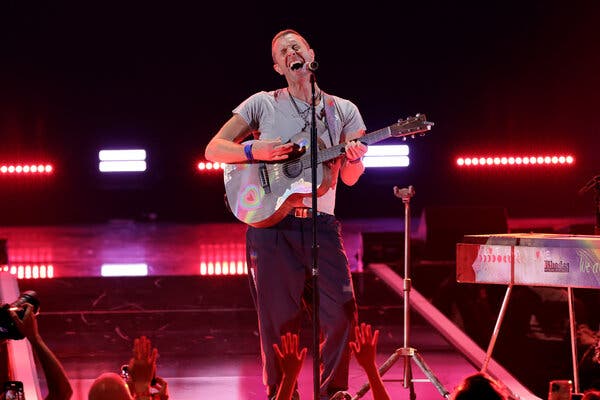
(333, 118)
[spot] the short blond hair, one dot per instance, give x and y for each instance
(281, 34)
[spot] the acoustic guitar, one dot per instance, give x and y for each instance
(262, 193)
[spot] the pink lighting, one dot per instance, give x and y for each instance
(223, 259)
(26, 169)
(235, 267)
(517, 160)
(29, 271)
(203, 166)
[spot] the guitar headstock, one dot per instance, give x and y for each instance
(411, 126)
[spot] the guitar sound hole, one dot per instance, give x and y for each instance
(292, 169)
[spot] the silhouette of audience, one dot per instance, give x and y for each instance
(142, 382)
(479, 386)
(589, 362)
(109, 385)
(57, 381)
(591, 395)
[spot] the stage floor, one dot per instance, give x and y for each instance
(185, 287)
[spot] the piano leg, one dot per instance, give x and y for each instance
(492, 343)
(573, 340)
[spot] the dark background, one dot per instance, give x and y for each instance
(495, 77)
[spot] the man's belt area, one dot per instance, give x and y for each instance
(304, 212)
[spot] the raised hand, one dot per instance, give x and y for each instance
(364, 348)
(142, 366)
(365, 345)
(290, 360)
(59, 386)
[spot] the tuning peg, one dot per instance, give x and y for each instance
(404, 138)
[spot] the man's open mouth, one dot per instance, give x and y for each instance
(294, 65)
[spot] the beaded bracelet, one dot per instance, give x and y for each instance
(248, 152)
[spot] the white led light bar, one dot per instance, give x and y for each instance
(139, 269)
(387, 156)
(125, 160)
(122, 155)
(122, 166)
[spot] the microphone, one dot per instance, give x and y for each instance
(312, 66)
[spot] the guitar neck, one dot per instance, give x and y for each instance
(368, 139)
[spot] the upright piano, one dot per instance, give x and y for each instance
(531, 259)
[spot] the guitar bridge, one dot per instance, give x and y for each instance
(263, 175)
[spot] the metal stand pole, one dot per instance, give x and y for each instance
(406, 352)
(594, 183)
(410, 353)
(315, 247)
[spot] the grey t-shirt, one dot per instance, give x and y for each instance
(275, 115)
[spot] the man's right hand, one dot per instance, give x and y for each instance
(271, 150)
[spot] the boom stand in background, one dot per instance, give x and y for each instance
(594, 183)
(406, 352)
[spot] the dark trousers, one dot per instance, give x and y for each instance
(280, 263)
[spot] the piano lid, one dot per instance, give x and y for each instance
(535, 240)
(538, 259)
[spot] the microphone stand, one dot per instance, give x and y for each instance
(405, 352)
(315, 247)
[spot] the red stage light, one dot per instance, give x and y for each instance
(207, 166)
(511, 161)
(29, 271)
(25, 169)
(223, 259)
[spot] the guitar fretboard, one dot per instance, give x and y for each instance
(398, 130)
(368, 139)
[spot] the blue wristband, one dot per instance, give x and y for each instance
(248, 152)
